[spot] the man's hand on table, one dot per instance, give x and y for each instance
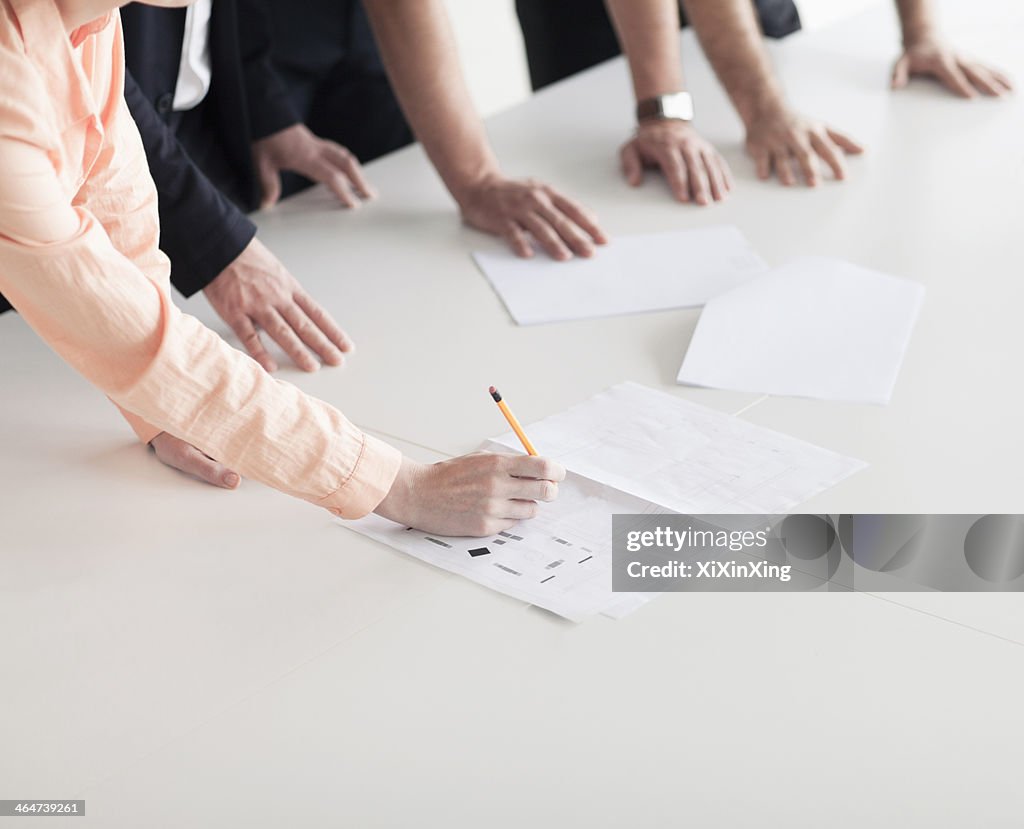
(792, 147)
(297, 149)
(520, 210)
(256, 292)
(932, 57)
(184, 457)
(695, 170)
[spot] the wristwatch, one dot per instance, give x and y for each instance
(675, 107)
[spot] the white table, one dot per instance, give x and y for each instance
(180, 656)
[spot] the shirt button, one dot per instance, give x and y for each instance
(164, 103)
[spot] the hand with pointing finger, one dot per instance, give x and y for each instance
(297, 149)
(257, 293)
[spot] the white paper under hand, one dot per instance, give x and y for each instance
(649, 272)
(629, 450)
(813, 328)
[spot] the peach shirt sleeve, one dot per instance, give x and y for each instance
(84, 270)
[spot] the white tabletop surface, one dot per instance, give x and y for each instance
(181, 656)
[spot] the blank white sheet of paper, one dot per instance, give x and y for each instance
(629, 450)
(813, 328)
(649, 272)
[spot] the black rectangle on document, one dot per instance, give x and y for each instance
(480, 551)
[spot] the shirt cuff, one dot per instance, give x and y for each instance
(145, 431)
(374, 472)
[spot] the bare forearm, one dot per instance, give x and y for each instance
(648, 32)
(732, 40)
(419, 52)
(917, 20)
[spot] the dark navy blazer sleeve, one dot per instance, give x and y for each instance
(270, 106)
(201, 231)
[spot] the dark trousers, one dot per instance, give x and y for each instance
(329, 62)
(564, 37)
(356, 108)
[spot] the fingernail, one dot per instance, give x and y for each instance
(231, 479)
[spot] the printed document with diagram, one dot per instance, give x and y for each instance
(628, 450)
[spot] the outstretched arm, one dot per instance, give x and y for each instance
(419, 52)
(85, 272)
(649, 33)
(780, 140)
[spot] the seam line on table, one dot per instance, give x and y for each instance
(381, 434)
(750, 406)
(964, 625)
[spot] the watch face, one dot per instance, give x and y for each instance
(666, 107)
(677, 106)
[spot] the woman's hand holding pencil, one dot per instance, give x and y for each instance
(476, 495)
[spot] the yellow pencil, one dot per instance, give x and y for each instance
(511, 418)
